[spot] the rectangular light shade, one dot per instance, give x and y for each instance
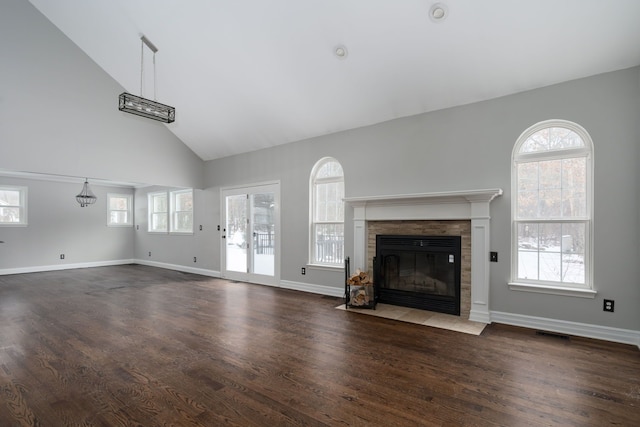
(146, 108)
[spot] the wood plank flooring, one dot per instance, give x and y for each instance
(141, 346)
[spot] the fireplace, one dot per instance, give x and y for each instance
(471, 205)
(419, 271)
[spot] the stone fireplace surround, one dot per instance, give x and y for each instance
(472, 205)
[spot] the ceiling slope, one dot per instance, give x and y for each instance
(250, 74)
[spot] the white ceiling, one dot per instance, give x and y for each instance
(249, 74)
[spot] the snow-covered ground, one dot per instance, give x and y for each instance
(551, 264)
(237, 261)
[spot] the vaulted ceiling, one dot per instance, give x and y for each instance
(250, 74)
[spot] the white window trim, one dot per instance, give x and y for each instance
(173, 211)
(24, 221)
(554, 290)
(583, 291)
(170, 195)
(312, 200)
(129, 198)
(150, 212)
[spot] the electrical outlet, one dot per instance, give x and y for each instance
(149, 253)
(61, 256)
(608, 305)
(303, 271)
(493, 256)
(195, 259)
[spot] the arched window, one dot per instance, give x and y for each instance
(327, 213)
(552, 208)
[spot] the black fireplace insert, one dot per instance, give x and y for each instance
(419, 271)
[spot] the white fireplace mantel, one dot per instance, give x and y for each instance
(452, 205)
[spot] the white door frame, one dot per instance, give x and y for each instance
(263, 187)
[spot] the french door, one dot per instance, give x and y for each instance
(251, 235)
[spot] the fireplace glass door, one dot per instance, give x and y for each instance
(419, 271)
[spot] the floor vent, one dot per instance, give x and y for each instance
(552, 335)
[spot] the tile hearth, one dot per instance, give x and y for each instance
(421, 317)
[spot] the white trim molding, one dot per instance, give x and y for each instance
(553, 290)
(177, 267)
(451, 205)
(312, 288)
(624, 336)
(42, 268)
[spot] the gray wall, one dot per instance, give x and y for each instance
(470, 147)
(59, 112)
(58, 225)
(179, 249)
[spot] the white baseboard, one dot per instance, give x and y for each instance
(624, 336)
(481, 317)
(177, 267)
(314, 289)
(41, 268)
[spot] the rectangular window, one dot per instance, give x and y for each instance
(119, 210)
(552, 252)
(171, 212)
(158, 212)
(13, 206)
(182, 211)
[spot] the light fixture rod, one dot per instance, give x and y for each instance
(150, 45)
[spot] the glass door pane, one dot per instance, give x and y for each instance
(264, 238)
(236, 227)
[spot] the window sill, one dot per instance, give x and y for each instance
(553, 290)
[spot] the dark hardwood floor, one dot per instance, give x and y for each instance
(141, 346)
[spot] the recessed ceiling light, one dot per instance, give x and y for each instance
(438, 12)
(341, 51)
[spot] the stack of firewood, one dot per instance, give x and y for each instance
(361, 289)
(359, 279)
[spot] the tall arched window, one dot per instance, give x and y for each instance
(327, 213)
(552, 208)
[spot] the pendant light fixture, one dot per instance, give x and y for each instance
(141, 106)
(86, 196)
